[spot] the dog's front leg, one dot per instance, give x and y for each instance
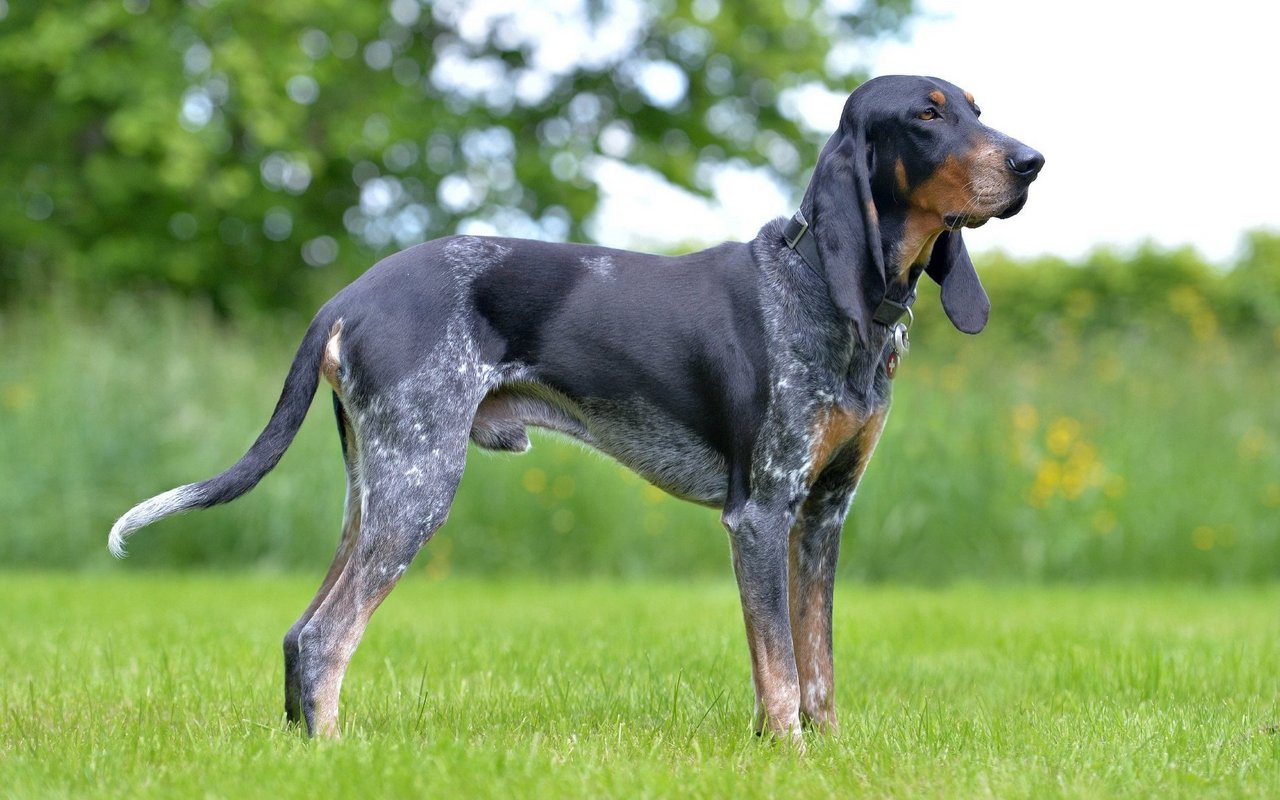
(815, 547)
(758, 535)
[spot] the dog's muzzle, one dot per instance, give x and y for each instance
(1015, 206)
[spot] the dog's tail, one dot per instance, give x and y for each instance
(291, 409)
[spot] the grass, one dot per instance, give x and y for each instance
(1117, 455)
(157, 685)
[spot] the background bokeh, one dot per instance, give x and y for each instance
(182, 184)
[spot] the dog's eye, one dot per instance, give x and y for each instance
(928, 113)
(977, 112)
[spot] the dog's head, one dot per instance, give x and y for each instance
(910, 166)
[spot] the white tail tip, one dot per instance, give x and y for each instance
(174, 501)
(115, 542)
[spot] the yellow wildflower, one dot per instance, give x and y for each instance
(534, 480)
(1025, 417)
(1061, 435)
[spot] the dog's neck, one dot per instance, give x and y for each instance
(907, 237)
(906, 234)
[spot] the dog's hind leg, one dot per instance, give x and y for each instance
(350, 528)
(411, 456)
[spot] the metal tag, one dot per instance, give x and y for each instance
(901, 342)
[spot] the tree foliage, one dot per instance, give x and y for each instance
(220, 147)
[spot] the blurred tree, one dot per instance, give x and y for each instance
(1254, 284)
(218, 146)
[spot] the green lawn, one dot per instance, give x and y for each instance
(160, 685)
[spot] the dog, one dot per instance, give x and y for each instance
(751, 377)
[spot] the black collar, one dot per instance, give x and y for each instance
(793, 235)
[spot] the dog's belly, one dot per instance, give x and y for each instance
(638, 434)
(659, 449)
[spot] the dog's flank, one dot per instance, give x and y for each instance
(753, 377)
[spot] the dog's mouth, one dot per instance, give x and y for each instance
(1015, 206)
(1004, 210)
(955, 222)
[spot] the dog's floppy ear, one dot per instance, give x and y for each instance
(963, 297)
(846, 226)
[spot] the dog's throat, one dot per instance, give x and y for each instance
(899, 294)
(914, 249)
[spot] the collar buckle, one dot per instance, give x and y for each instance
(795, 230)
(890, 311)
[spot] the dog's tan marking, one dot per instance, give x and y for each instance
(949, 189)
(832, 428)
(777, 693)
(960, 185)
(900, 174)
(938, 97)
(811, 641)
(327, 685)
(969, 96)
(918, 237)
(331, 362)
(868, 436)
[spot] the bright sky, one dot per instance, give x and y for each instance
(1156, 122)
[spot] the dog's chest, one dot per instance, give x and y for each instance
(832, 428)
(845, 435)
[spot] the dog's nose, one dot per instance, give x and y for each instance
(1026, 162)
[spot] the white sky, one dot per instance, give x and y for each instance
(1156, 122)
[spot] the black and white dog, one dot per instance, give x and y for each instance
(752, 377)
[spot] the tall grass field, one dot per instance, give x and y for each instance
(157, 685)
(1136, 452)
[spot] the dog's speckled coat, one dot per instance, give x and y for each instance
(742, 377)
